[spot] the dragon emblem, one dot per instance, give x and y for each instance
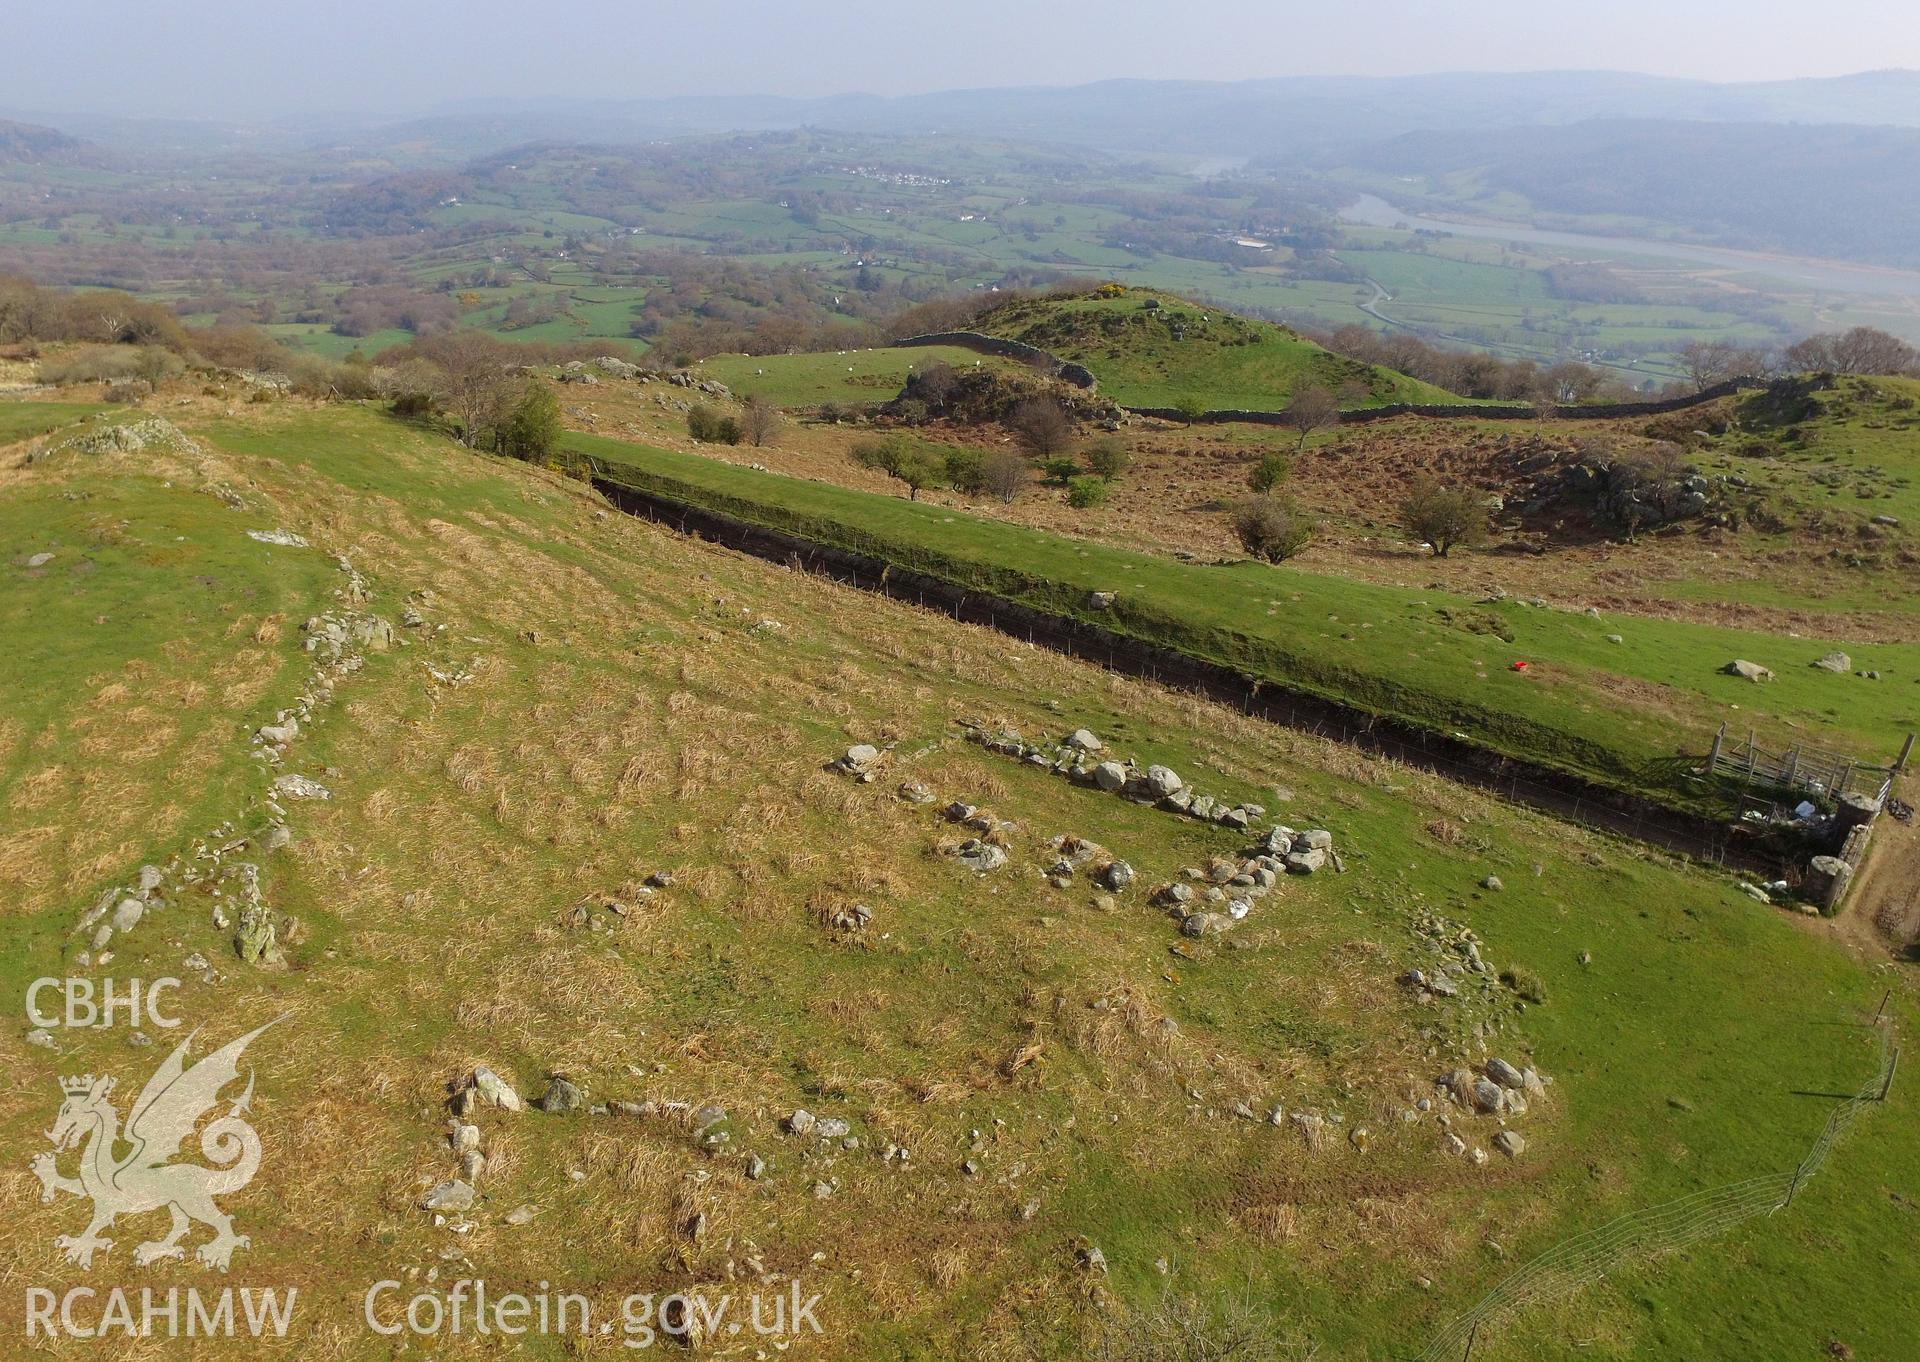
(144, 1178)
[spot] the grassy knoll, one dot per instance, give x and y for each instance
(865, 377)
(1153, 349)
(586, 699)
(1619, 712)
(24, 420)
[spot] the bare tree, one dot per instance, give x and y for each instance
(1043, 425)
(471, 376)
(1005, 474)
(1869, 350)
(759, 421)
(1312, 408)
(1711, 362)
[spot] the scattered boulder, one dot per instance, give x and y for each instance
(1163, 782)
(495, 1091)
(1835, 661)
(1110, 776)
(1751, 671)
(562, 1097)
(127, 914)
(979, 856)
(1306, 862)
(1505, 1074)
(454, 1195)
(1082, 740)
(1116, 876)
(1511, 1143)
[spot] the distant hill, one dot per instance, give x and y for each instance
(1153, 349)
(1845, 192)
(30, 143)
(1212, 118)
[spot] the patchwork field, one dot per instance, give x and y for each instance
(581, 820)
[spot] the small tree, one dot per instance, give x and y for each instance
(1445, 517)
(711, 427)
(1004, 474)
(1086, 491)
(1107, 457)
(532, 428)
(966, 471)
(156, 365)
(1043, 425)
(902, 457)
(472, 378)
(1274, 468)
(1061, 471)
(1312, 408)
(1190, 408)
(1271, 530)
(759, 421)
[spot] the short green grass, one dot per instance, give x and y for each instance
(1154, 349)
(863, 377)
(24, 420)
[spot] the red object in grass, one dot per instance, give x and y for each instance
(1521, 666)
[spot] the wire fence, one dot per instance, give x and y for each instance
(1576, 1263)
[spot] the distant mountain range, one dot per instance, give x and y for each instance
(1258, 118)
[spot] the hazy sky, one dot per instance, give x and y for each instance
(261, 57)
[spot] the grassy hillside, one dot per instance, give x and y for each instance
(575, 701)
(1153, 349)
(1619, 712)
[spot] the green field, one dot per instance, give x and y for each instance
(865, 377)
(1619, 713)
(24, 420)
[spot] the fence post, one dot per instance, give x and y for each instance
(1881, 1011)
(1473, 1336)
(1905, 753)
(1713, 758)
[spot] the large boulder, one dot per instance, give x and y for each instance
(1751, 671)
(1163, 781)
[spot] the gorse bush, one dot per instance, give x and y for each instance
(1107, 457)
(712, 427)
(1271, 530)
(1086, 492)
